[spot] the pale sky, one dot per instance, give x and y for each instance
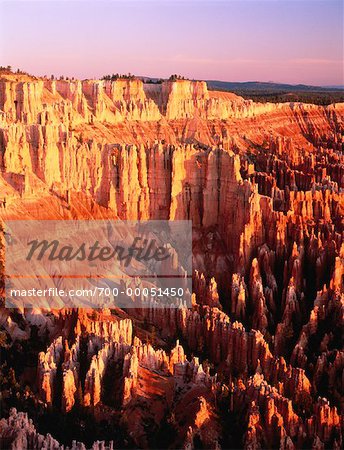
(292, 41)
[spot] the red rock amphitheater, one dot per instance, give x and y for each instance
(258, 360)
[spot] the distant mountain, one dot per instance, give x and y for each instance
(338, 86)
(279, 92)
(258, 86)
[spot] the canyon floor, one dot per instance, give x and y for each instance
(258, 361)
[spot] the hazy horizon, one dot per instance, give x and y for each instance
(279, 41)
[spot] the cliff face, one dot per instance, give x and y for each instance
(38, 101)
(258, 360)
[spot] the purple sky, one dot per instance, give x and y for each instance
(293, 41)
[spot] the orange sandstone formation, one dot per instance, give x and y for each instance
(258, 360)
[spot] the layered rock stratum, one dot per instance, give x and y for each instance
(258, 360)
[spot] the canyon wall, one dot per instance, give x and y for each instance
(258, 360)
